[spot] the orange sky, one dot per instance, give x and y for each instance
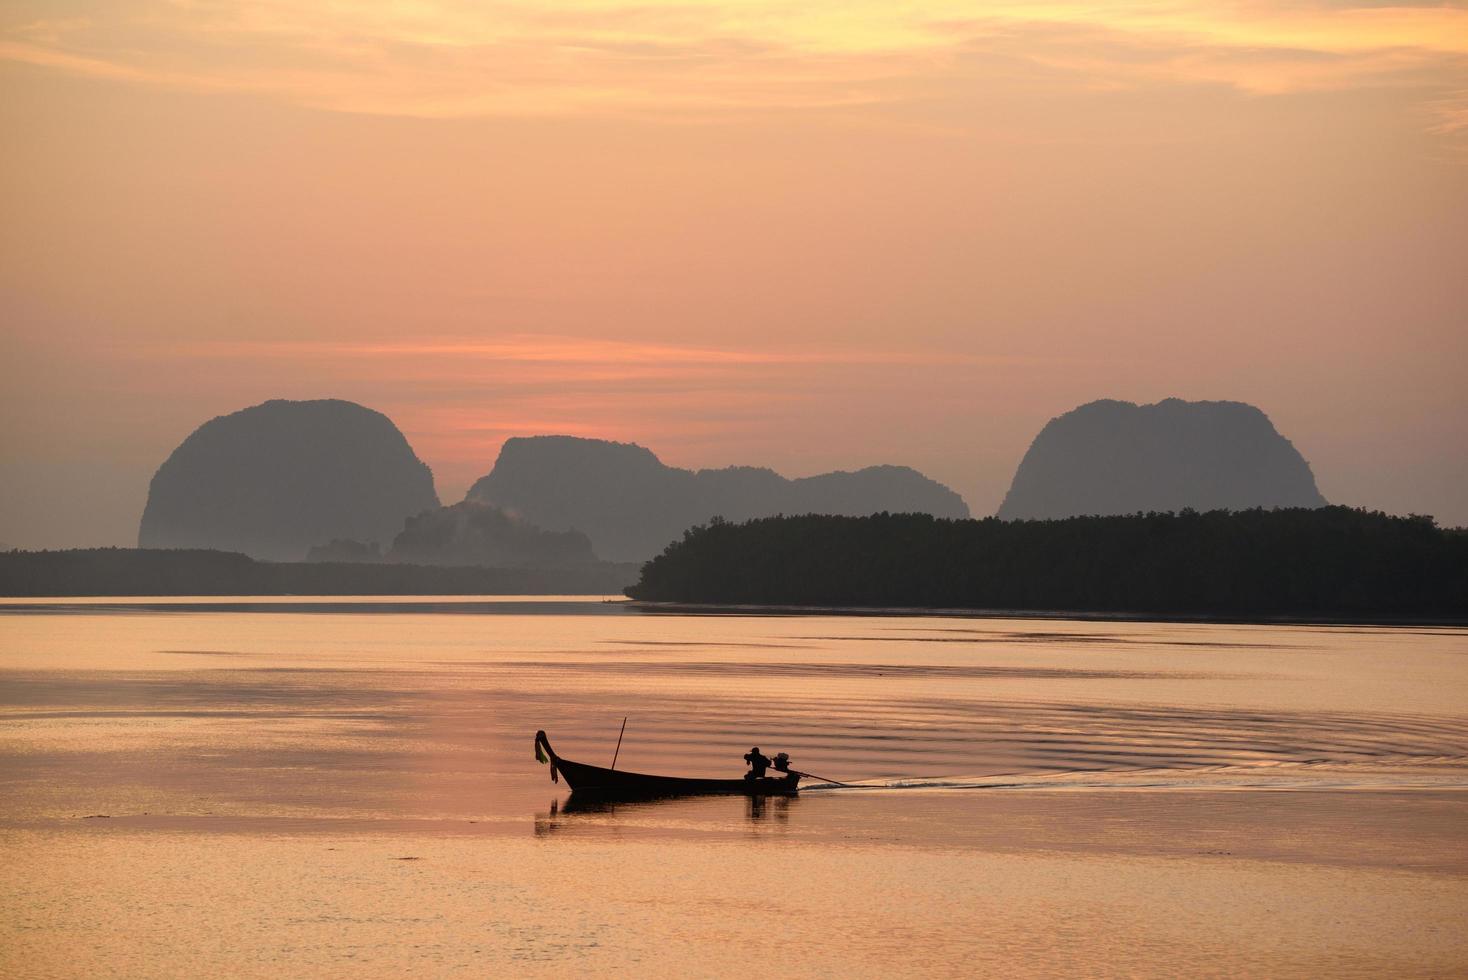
(807, 235)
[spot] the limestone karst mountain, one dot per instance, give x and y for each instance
(631, 505)
(474, 533)
(1115, 457)
(278, 478)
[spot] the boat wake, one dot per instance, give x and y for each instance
(1444, 773)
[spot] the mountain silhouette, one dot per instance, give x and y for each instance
(273, 480)
(1115, 457)
(474, 533)
(631, 505)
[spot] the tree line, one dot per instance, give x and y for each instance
(147, 572)
(1328, 561)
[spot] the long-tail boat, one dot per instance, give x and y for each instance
(596, 781)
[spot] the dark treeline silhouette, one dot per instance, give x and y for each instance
(139, 572)
(1328, 562)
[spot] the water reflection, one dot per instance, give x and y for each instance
(765, 808)
(265, 775)
(602, 815)
(569, 814)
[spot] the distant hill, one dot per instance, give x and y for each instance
(1327, 562)
(274, 480)
(631, 505)
(1114, 457)
(136, 572)
(474, 533)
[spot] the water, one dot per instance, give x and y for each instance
(254, 786)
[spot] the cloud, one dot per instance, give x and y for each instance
(544, 348)
(549, 364)
(447, 58)
(458, 398)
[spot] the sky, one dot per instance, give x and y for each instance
(808, 235)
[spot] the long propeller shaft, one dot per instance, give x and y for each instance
(810, 775)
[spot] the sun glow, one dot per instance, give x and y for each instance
(810, 236)
(449, 59)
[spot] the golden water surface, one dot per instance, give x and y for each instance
(347, 787)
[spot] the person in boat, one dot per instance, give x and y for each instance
(758, 763)
(782, 762)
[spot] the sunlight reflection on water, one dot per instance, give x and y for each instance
(282, 723)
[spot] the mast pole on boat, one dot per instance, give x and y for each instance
(619, 742)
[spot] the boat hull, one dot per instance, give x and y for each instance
(596, 781)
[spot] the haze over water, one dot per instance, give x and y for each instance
(259, 786)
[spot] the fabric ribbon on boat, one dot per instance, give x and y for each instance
(540, 757)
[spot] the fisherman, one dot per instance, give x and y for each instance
(782, 762)
(758, 763)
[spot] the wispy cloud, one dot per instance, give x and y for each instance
(447, 58)
(458, 398)
(534, 349)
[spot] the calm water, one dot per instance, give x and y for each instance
(348, 787)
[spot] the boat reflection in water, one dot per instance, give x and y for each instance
(598, 815)
(759, 808)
